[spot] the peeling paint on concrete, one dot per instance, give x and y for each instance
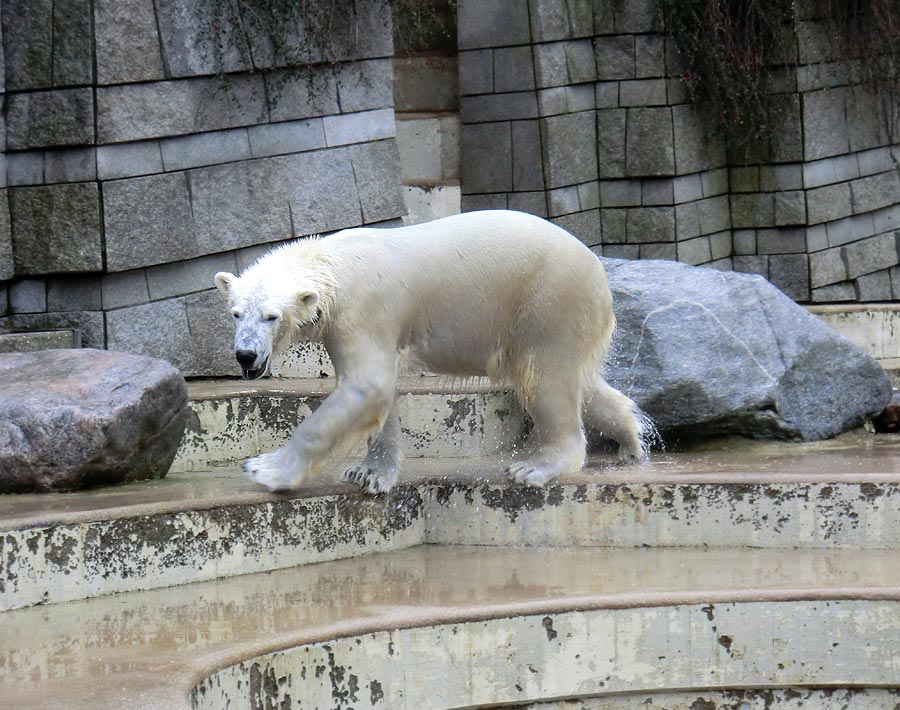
(222, 431)
(642, 652)
(738, 699)
(66, 562)
(723, 514)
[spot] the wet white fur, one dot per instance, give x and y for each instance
(495, 293)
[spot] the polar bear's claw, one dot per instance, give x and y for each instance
(369, 479)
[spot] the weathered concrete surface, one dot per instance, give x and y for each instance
(762, 699)
(230, 421)
(72, 419)
(149, 649)
(705, 352)
(201, 525)
(574, 654)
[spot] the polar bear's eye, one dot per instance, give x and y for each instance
(236, 314)
(270, 317)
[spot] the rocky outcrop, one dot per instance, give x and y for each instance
(71, 419)
(710, 352)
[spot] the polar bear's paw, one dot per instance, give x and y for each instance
(275, 471)
(371, 480)
(532, 473)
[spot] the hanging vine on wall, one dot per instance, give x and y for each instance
(732, 51)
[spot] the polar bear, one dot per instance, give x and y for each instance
(496, 292)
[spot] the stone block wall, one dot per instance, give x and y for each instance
(134, 169)
(575, 110)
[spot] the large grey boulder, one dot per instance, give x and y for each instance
(71, 419)
(708, 352)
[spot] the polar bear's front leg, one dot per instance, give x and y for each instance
(359, 404)
(378, 471)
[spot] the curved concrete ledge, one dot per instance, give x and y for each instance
(198, 526)
(594, 652)
(721, 617)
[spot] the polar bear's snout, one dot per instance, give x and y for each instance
(247, 359)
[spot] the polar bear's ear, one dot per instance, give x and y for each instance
(223, 281)
(307, 299)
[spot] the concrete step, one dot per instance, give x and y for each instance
(39, 340)
(439, 418)
(196, 526)
(438, 627)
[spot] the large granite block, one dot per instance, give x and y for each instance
(158, 329)
(50, 118)
(581, 63)
(513, 69)
(127, 288)
(361, 127)
(212, 334)
(56, 228)
(650, 56)
(875, 191)
(695, 148)
(165, 218)
(650, 142)
(365, 85)
(476, 72)
(74, 293)
(492, 23)
(568, 148)
(73, 59)
(70, 165)
(831, 202)
(615, 57)
(169, 108)
(201, 37)
(790, 273)
(825, 130)
(498, 107)
(288, 137)
(551, 64)
(376, 168)
(6, 251)
(148, 220)
(28, 43)
(88, 325)
(611, 133)
(528, 167)
(549, 20)
(189, 276)
(201, 149)
(650, 224)
(28, 296)
(129, 160)
(872, 254)
(304, 93)
(827, 267)
(486, 158)
(127, 41)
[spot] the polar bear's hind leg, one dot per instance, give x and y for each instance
(613, 415)
(378, 471)
(558, 441)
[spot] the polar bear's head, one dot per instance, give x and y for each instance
(269, 309)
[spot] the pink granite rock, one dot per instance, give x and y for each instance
(72, 419)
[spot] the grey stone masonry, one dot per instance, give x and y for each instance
(56, 228)
(150, 143)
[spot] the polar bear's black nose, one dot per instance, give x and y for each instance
(245, 358)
